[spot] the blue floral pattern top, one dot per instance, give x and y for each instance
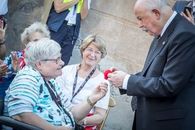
(29, 93)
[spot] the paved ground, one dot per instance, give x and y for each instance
(120, 117)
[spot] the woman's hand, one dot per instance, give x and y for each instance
(15, 61)
(99, 92)
(3, 68)
(2, 31)
(188, 16)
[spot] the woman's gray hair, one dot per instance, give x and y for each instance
(42, 49)
(33, 28)
(95, 40)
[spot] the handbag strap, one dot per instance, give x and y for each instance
(56, 99)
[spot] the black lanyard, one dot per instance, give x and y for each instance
(83, 84)
(56, 99)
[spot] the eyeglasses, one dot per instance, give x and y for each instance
(90, 50)
(57, 60)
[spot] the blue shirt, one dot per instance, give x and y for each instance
(3, 7)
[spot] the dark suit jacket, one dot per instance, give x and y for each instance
(165, 89)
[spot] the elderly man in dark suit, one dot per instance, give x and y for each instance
(165, 88)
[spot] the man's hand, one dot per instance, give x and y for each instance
(116, 78)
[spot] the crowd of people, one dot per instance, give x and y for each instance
(42, 90)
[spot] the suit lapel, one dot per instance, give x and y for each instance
(160, 44)
(151, 56)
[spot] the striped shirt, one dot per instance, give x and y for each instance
(28, 93)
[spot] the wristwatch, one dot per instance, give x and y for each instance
(84, 121)
(2, 42)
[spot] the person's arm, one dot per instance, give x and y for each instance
(169, 76)
(30, 118)
(84, 9)
(60, 6)
(3, 69)
(81, 110)
(96, 118)
(2, 41)
(2, 50)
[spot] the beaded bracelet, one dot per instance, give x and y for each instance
(89, 102)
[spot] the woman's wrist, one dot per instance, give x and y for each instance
(90, 101)
(84, 121)
(2, 41)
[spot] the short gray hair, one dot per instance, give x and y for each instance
(44, 48)
(154, 4)
(35, 27)
(97, 41)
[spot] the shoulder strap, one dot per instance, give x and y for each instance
(56, 99)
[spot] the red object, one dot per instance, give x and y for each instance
(106, 72)
(93, 127)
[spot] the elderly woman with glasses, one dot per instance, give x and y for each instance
(83, 77)
(35, 98)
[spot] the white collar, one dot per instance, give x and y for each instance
(168, 22)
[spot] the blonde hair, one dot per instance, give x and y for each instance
(95, 40)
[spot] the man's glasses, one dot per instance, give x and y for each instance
(57, 60)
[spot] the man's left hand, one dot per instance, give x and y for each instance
(99, 92)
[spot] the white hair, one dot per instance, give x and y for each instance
(35, 27)
(153, 4)
(44, 48)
